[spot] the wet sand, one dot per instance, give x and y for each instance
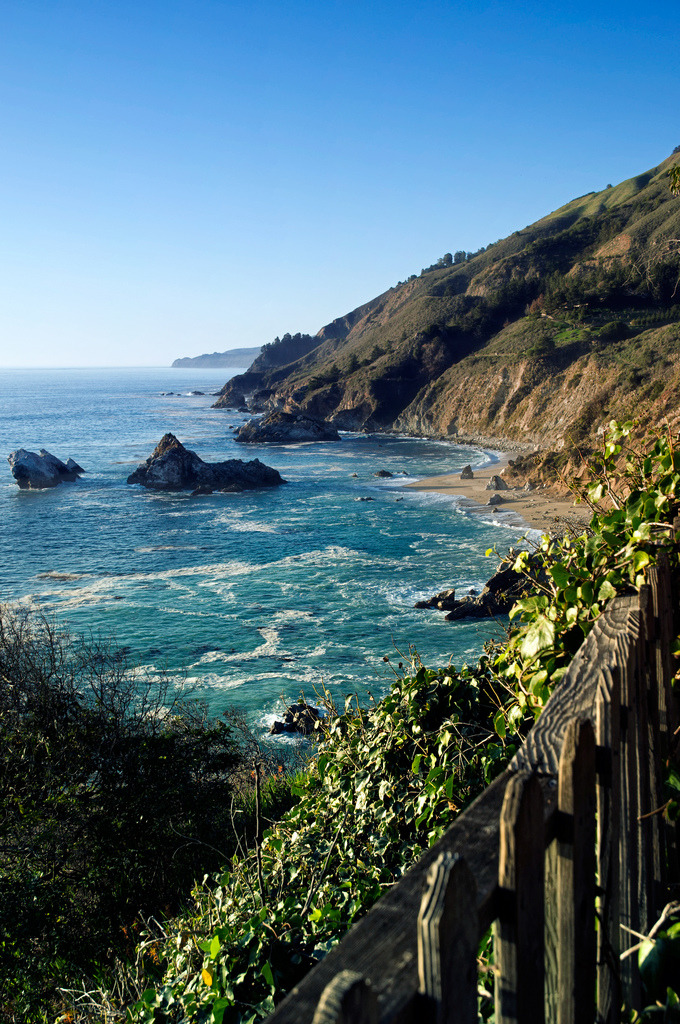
(536, 508)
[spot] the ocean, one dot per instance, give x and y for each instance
(248, 597)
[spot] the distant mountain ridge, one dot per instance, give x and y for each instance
(234, 357)
(541, 337)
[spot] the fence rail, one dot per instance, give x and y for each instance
(562, 854)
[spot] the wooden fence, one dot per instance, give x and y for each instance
(563, 855)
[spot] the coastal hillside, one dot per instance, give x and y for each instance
(234, 357)
(539, 338)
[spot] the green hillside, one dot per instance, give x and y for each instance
(537, 337)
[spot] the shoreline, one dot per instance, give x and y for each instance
(536, 509)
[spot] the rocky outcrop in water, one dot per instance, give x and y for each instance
(445, 600)
(280, 427)
(299, 718)
(172, 467)
(36, 470)
(497, 598)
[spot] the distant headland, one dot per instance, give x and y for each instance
(234, 357)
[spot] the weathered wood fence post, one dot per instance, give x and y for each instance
(519, 931)
(607, 737)
(448, 939)
(576, 874)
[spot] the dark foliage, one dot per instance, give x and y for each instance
(114, 796)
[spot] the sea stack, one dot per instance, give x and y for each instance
(172, 467)
(37, 470)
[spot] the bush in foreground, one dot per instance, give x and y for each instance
(114, 790)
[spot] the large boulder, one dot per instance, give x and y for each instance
(34, 470)
(280, 427)
(172, 467)
(466, 473)
(496, 483)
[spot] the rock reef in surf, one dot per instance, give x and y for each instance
(299, 718)
(498, 596)
(172, 467)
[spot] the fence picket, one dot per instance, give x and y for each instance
(643, 670)
(519, 931)
(607, 735)
(661, 713)
(552, 934)
(655, 702)
(347, 999)
(448, 937)
(659, 581)
(629, 853)
(576, 874)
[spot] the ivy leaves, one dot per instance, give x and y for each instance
(634, 495)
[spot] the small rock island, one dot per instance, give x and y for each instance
(172, 467)
(280, 427)
(35, 470)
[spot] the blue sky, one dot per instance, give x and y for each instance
(184, 176)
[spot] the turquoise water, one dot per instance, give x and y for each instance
(252, 595)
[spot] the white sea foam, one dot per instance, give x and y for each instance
(267, 649)
(317, 652)
(232, 568)
(214, 681)
(210, 658)
(432, 498)
(293, 615)
(94, 594)
(191, 613)
(245, 525)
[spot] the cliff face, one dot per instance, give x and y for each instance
(542, 337)
(562, 396)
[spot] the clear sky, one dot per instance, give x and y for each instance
(185, 176)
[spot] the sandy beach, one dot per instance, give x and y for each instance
(537, 509)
